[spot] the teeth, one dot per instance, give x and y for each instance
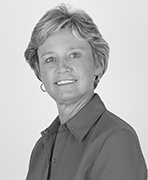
(65, 82)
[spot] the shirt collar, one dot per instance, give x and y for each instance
(80, 124)
(53, 128)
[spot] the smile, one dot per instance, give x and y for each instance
(66, 81)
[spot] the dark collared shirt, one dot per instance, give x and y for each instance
(93, 145)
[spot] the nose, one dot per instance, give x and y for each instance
(63, 67)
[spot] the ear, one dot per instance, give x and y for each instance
(98, 71)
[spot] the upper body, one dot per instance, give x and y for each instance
(93, 145)
(70, 56)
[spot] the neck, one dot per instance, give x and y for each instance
(68, 110)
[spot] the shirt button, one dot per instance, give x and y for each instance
(54, 160)
(46, 131)
(64, 126)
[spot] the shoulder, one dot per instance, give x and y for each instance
(37, 149)
(110, 129)
(109, 123)
(121, 139)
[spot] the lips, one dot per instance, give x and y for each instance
(65, 82)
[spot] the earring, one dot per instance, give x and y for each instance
(96, 78)
(42, 87)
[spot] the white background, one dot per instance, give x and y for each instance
(25, 110)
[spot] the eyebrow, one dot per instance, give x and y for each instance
(76, 48)
(46, 53)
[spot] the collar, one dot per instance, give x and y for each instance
(81, 123)
(53, 128)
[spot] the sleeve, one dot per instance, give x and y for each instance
(120, 158)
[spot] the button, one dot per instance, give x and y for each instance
(64, 126)
(46, 131)
(54, 160)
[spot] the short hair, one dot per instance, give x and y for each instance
(82, 26)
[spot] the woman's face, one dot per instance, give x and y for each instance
(67, 67)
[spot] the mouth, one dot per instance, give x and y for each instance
(65, 82)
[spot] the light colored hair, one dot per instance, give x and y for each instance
(82, 26)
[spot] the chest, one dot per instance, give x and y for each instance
(65, 157)
(69, 157)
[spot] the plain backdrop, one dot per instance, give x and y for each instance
(25, 110)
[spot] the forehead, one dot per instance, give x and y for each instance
(64, 38)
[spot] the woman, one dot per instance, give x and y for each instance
(85, 141)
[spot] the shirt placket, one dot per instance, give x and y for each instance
(60, 140)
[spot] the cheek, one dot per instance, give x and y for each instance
(47, 75)
(87, 75)
(88, 69)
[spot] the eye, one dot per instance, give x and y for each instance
(50, 59)
(75, 55)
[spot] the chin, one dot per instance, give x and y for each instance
(66, 97)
